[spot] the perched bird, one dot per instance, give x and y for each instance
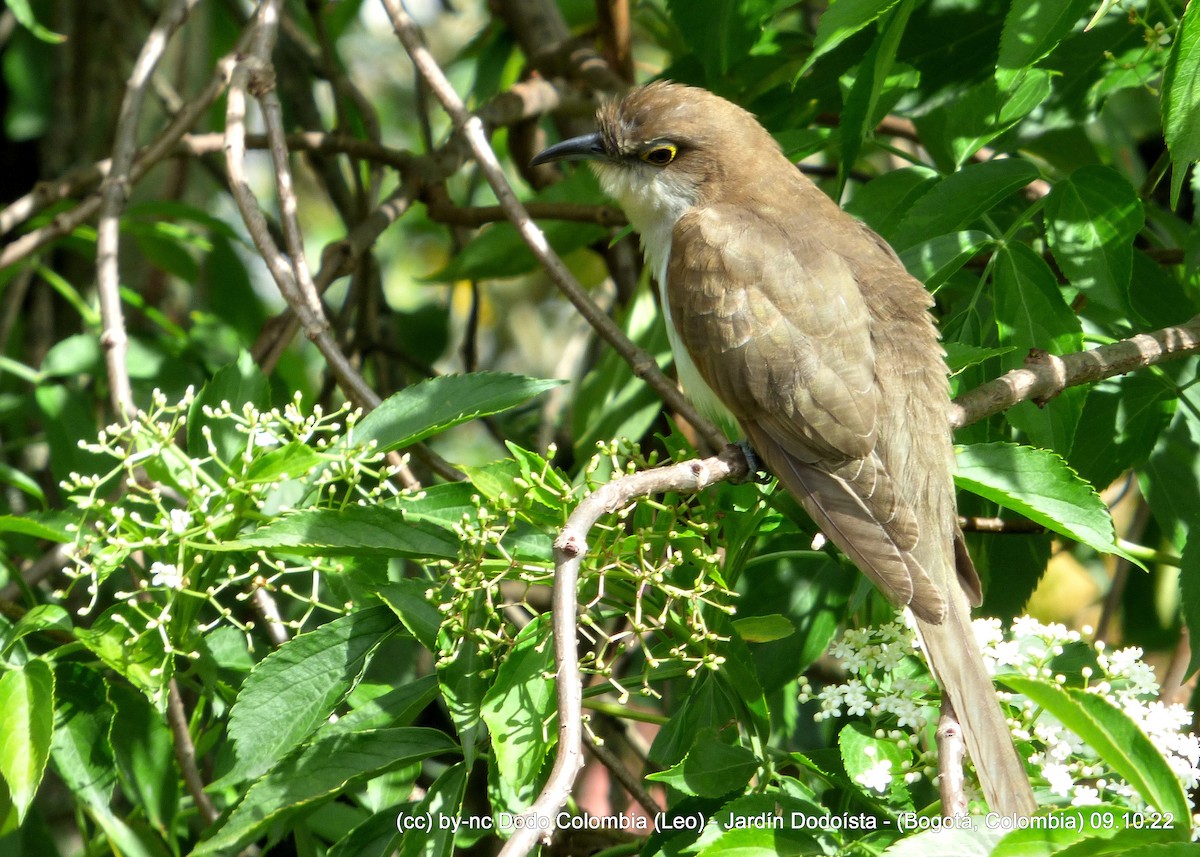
(797, 323)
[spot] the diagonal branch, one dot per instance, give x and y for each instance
(472, 129)
(1045, 376)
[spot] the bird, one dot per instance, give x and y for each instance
(797, 326)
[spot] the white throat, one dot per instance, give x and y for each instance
(654, 200)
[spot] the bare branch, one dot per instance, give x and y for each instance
(113, 194)
(642, 364)
(569, 550)
(952, 749)
(1046, 375)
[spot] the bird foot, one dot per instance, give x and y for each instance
(756, 470)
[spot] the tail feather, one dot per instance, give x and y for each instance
(959, 670)
(935, 579)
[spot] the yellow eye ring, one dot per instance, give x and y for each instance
(661, 155)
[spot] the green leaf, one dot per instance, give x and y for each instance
(1031, 314)
(238, 384)
(1031, 31)
(79, 748)
(1170, 480)
(145, 756)
(463, 679)
(862, 753)
(23, 12)
(435, 405)
(444, 802)
(961, 198)
(318, 772)
(1038, 484)
(720, 33)
(764, 629)
(27, 712)
(31, 525)
(978, 840)
(408, 600)
(292, 461)
(499, 251)
(1116, 738)
(859, 115)
(711, 769)
(1121, 423)
(1096, 830)
(44, 617)
(398, 706)
(884, 202)
(934, 261)
(960, 355)
(1092, 218)
(956, 131)
(296, 687)
(842, 20)
(1181, 98)
(353, 531)
(1189, 591)
(518, 709)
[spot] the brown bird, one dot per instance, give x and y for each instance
(797, 323)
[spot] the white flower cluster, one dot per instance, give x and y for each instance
(892, 687)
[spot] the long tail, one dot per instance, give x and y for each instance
(957, 663)
(928, 575)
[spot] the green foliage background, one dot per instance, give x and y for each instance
(1030, 162)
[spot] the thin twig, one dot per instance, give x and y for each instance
(1047, 376)
(569, 549)
(113, 194)
(185, 753)
(624, 776)
(471, 127)
(952, 749)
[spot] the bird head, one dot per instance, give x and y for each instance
(666, 147)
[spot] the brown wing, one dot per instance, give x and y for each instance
(789, 351)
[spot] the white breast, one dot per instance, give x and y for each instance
(654, 202)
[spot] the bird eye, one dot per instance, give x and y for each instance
(660, 156)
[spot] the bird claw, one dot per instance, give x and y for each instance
(756, 471)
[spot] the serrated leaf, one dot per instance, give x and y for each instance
(862, 753)
(966, 125)
(435, 405)
(764, 629)
(934, 261)
(144, 755)
(420, 616)
(444, 800)
(1181, 98)
(1121, 423)
(711, 769)
(842, 20)
(961, 198)
(1092, 218)
(518, 709)
(1189, 591)
(295, 688)
(1038, 484)
(30, 525)
(884, 202)
(27, 712)
(1117, 739)
(353, 531)
(240, 383)
(861, 108)
(1031, 31)
(317, 772)
(1031, 313)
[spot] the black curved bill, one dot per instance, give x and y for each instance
(575, 149)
